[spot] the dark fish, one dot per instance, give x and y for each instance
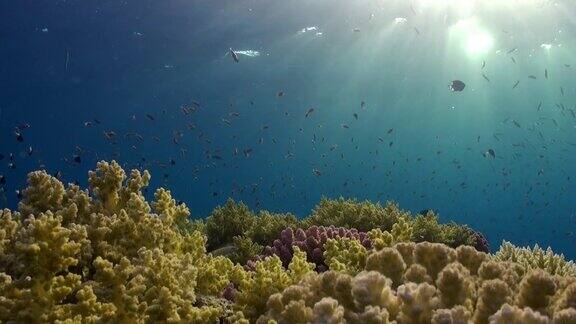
(390, 130)
(539, 106)
(1, 156)
(76, 158)
(216, 157)
(513, 60)
(457, 85)
(309, 112)
(316, 172)
(485, 77)
(483, 64)
(234, 55)
(362, 105)
(512, 50)
(345, 126)
(30, 151)
(491, 153)
(2, 180)
(562, 91)
(281, 94)
(150, 116)
(532, 77)
(516, 84)
(19, 194)
(19, 136)
(516, 124)
(546, 73)
(356, 116)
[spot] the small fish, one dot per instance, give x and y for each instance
(110, 135)
(516, 124)
(19, 136)
(539, 106)
(516, 84)
(562, 91)
(485, 77)
(533, 77)
(1, 156)
(150, 116)
(345, 126)
(417, 30)
(2, 180)
(362, 105)
(513, 60)
(280, 94)
(355, 116)
(356, 30)
(19, 194)
(30, 151)
(546, 73)
(234, 55)
(77, 159)
(491, 153)
(390, 130)
(309, 112)
(316, 172)
(483, 64)
(512, 50)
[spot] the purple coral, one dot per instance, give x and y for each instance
(482, 244)
(312, 242)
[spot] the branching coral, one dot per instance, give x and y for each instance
(105, 256)
(536, 258)
(313, 242)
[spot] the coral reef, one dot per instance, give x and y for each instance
(312, 241)
(460, 285)
(105, 254)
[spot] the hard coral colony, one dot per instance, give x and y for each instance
(107, 255)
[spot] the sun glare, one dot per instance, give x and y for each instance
(475, 39)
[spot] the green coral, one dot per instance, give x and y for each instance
(425, 228)
(225, 222)
(267, 226)
(350, 213)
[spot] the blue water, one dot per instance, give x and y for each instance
(414, 141)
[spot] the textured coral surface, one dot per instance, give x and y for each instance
(106, 254)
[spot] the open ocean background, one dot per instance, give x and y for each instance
(73, 70)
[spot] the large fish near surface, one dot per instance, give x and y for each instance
(234, 55)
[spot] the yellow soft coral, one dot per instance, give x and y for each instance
(268, 278)
(345, 254)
